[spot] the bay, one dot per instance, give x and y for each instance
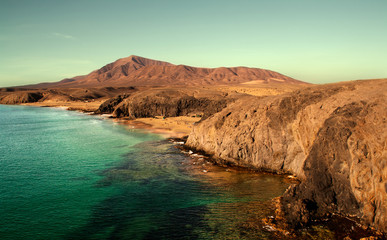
(67, 175)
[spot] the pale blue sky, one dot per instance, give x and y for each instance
(314, 41)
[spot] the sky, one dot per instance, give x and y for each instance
(311, 40)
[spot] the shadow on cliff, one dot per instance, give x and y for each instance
(326, 172)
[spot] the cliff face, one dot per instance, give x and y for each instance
(333, 137)
(164, 102)
(17, 96)
(21, 97)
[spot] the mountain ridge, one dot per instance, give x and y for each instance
(140, 71)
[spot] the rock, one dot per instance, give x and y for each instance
(109, 105)
(64, 95)
(21, 97)
(338, 151)
(167, 103)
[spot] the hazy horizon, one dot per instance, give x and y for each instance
(317, 42)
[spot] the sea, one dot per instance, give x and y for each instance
(69, 175)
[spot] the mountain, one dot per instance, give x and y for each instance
(139, 71)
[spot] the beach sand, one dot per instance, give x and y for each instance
(85, 106)
(171, 127)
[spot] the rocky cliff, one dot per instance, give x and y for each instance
(165, 102)
(21, 97)
(333, 137)
(18, 96)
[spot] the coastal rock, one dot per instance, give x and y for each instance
(333, 137)
(109, 105)
(62, 95)
(21, 97)
(168, 103)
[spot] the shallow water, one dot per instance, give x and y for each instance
(66, 175)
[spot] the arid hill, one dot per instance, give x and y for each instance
(139, 71)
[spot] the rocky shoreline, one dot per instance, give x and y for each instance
(331, 137)
(328, 226)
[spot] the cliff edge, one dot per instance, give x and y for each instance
(333, 137)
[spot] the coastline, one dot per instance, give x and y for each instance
(204, 164)
(176, 128)
(171, 127)
(90, 106)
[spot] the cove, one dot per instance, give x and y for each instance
(67, 175)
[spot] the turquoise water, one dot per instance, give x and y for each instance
(67, 175)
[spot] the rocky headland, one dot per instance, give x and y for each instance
(166, 103)
(332, 137)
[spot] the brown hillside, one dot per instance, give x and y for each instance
(139, 71)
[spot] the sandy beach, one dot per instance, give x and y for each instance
(171, 127)
(84, 106)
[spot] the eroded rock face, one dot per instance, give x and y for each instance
(109, 105)
(21, 97)
(168, 103)
(343, 174)
(65, 95)
(333, 137)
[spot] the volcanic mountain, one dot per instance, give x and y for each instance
(139, 71)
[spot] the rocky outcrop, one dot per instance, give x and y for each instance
(333, 137)
(167, 103)
(21, 97)
(109, 105)
(64, 95)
